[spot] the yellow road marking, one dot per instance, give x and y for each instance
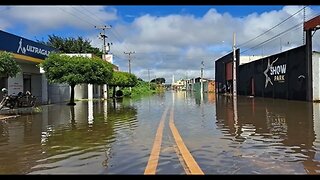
(155, 152)
(188, 159)
(183, 164)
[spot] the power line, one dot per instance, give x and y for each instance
(81, 12)
(272, 27)
(97, 17)
(76, 16)
(278, 35)
(118, 57)
(113, 31)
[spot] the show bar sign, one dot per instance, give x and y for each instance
(23, 46)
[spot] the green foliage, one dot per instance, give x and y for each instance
(72, 45)
(141, 88)
(158, 80)
(123, 79)
(76, 69)
(8, 66)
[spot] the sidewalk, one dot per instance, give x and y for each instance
(7, 113)
(5, 117)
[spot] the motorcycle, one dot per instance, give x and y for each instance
(17, 101)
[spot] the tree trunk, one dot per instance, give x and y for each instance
(72, 113)
(114, 92)
(71, 103)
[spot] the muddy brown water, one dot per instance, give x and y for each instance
(257, 136)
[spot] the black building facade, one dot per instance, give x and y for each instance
(282, 75)
(224, 72)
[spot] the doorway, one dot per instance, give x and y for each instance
(252, 86)
(26, 83)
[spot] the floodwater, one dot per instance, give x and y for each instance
(257, 136)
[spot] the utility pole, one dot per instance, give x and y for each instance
(201, 81)
(235, 104)
(129, 53)
(103, 36)
(234, 67)
(304, 20)
(149, 77)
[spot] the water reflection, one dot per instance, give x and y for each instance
(64, 139)
(263, 136)
(90, 112)
(283, 129)
(199, 98)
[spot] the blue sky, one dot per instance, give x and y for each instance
(168, 40)
(128, 12)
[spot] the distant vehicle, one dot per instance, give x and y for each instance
(17, 101)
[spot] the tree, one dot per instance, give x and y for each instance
(122, 79)
(71, 45)
(158, 80)
(76, 70)
(8, 66)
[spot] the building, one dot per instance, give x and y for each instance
(292, 75)
(224, 72)
(208, 85)
(28, 54)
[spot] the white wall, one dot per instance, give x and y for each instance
(15, 84)
(316, 118)
(316, 75)
(81, 91)
(80, 54)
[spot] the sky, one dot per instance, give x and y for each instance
(168, 40)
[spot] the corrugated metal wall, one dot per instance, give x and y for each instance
(287, 73)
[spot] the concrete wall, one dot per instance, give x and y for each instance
(58, 93)
(81, 91)
(44, 83)
(97, 91)
(316, 75)
(15, 84)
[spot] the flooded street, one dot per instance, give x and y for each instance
(258, 136)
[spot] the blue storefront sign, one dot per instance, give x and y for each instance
(23, 46)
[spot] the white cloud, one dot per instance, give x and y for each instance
(49, 18)
(173, 44)
(176, 43)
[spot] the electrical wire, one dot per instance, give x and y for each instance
(272, 27)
